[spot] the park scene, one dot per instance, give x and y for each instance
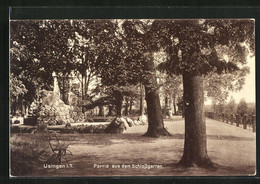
(132, 97)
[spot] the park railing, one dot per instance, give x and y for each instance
(245, 121)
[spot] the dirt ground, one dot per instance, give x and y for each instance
(130, 154)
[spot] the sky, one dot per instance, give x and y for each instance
(248, 91)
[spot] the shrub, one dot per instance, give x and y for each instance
(25, 152)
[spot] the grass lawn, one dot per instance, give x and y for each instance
(130, 154)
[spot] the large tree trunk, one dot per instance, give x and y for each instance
(155, 118)
(195, 146)
(142, 98)
(118, 103)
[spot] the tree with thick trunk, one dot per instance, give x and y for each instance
(118, 102)
(195, 49)
(195, 146)
(155, 119)
(139, 37)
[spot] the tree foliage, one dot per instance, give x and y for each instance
(218, 86)
(231, 106)
(204, 46)
(242, 107)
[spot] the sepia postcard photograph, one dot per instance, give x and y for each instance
(132, 97)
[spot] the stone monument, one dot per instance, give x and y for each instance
(56, 90)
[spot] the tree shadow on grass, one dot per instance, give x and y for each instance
(108, 139)
(230, 138)
(137, 137)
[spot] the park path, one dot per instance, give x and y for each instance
(232, 148)
(213, 128)
(227, 144)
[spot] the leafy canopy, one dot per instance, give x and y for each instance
(203, 46)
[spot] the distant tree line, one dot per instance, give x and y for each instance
(231, 107)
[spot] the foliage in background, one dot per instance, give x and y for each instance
(218, 86)
(242, 107)
(26, 153)
(231, 107)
